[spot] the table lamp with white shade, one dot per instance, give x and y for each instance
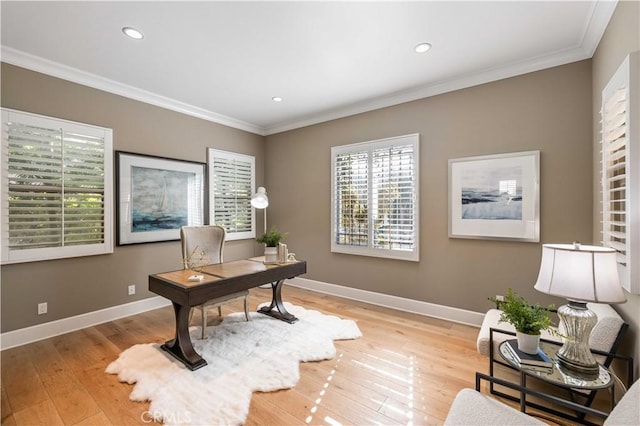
(580, 274)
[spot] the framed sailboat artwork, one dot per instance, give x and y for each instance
(156, 196)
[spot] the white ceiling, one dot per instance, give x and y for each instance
(224, 61)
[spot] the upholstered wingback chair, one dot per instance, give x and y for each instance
(204, 245)
(207, 240)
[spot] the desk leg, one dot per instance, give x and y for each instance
(180, 347)
(276, 302)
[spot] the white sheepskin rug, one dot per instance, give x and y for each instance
(242, 357)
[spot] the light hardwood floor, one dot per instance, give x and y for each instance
(405, 370)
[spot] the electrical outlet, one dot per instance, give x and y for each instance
(499, 298)
(42, 308)
(132, 290)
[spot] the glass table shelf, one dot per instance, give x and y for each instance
(558, 375)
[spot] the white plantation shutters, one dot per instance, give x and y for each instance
(374, 198)
(621, 172)
(231, 185)
(393, 203)
(56, 188)
(615, 154)
(351, 174)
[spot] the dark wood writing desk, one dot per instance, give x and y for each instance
(219, 280)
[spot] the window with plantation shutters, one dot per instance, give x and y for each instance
(621, 172)
(231, 184)
(56, 188)
(375, 198)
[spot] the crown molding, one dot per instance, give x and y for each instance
(55, 69)
(449, 85)
(601, 14)
(594, 29)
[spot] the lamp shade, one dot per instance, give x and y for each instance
(259, 200)
(580, 273)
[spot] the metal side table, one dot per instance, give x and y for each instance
(556, 376)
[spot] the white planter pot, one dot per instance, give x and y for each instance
(528, 343)
(271, 255)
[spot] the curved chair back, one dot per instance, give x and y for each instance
(202, 243)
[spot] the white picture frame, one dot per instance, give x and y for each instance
(156, 196)
(495, 197)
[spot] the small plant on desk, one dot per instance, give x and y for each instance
(271, 238)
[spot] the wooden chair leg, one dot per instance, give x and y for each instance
(246, 307)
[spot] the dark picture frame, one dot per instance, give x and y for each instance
(495, 197)
(156, 196)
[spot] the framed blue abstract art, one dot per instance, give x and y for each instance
(156, 196)
(495, 196)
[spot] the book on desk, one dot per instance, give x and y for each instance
(539, 360)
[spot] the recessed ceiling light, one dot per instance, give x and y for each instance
(276, 99)
(133, 33)
(422, 47)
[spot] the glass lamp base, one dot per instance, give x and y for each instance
(575, 355)
(578, 370)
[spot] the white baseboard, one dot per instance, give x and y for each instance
(34, 333)
(400, 303)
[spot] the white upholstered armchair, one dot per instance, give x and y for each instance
(473, 408)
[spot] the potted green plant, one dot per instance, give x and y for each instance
(271, 239)
(528, 320)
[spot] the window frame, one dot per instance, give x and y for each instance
(369, 249)
(213, 153)
(10, 256)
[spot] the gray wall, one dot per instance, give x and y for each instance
(75, 286)
(621, 37)
(545, 110)
(548, 110)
